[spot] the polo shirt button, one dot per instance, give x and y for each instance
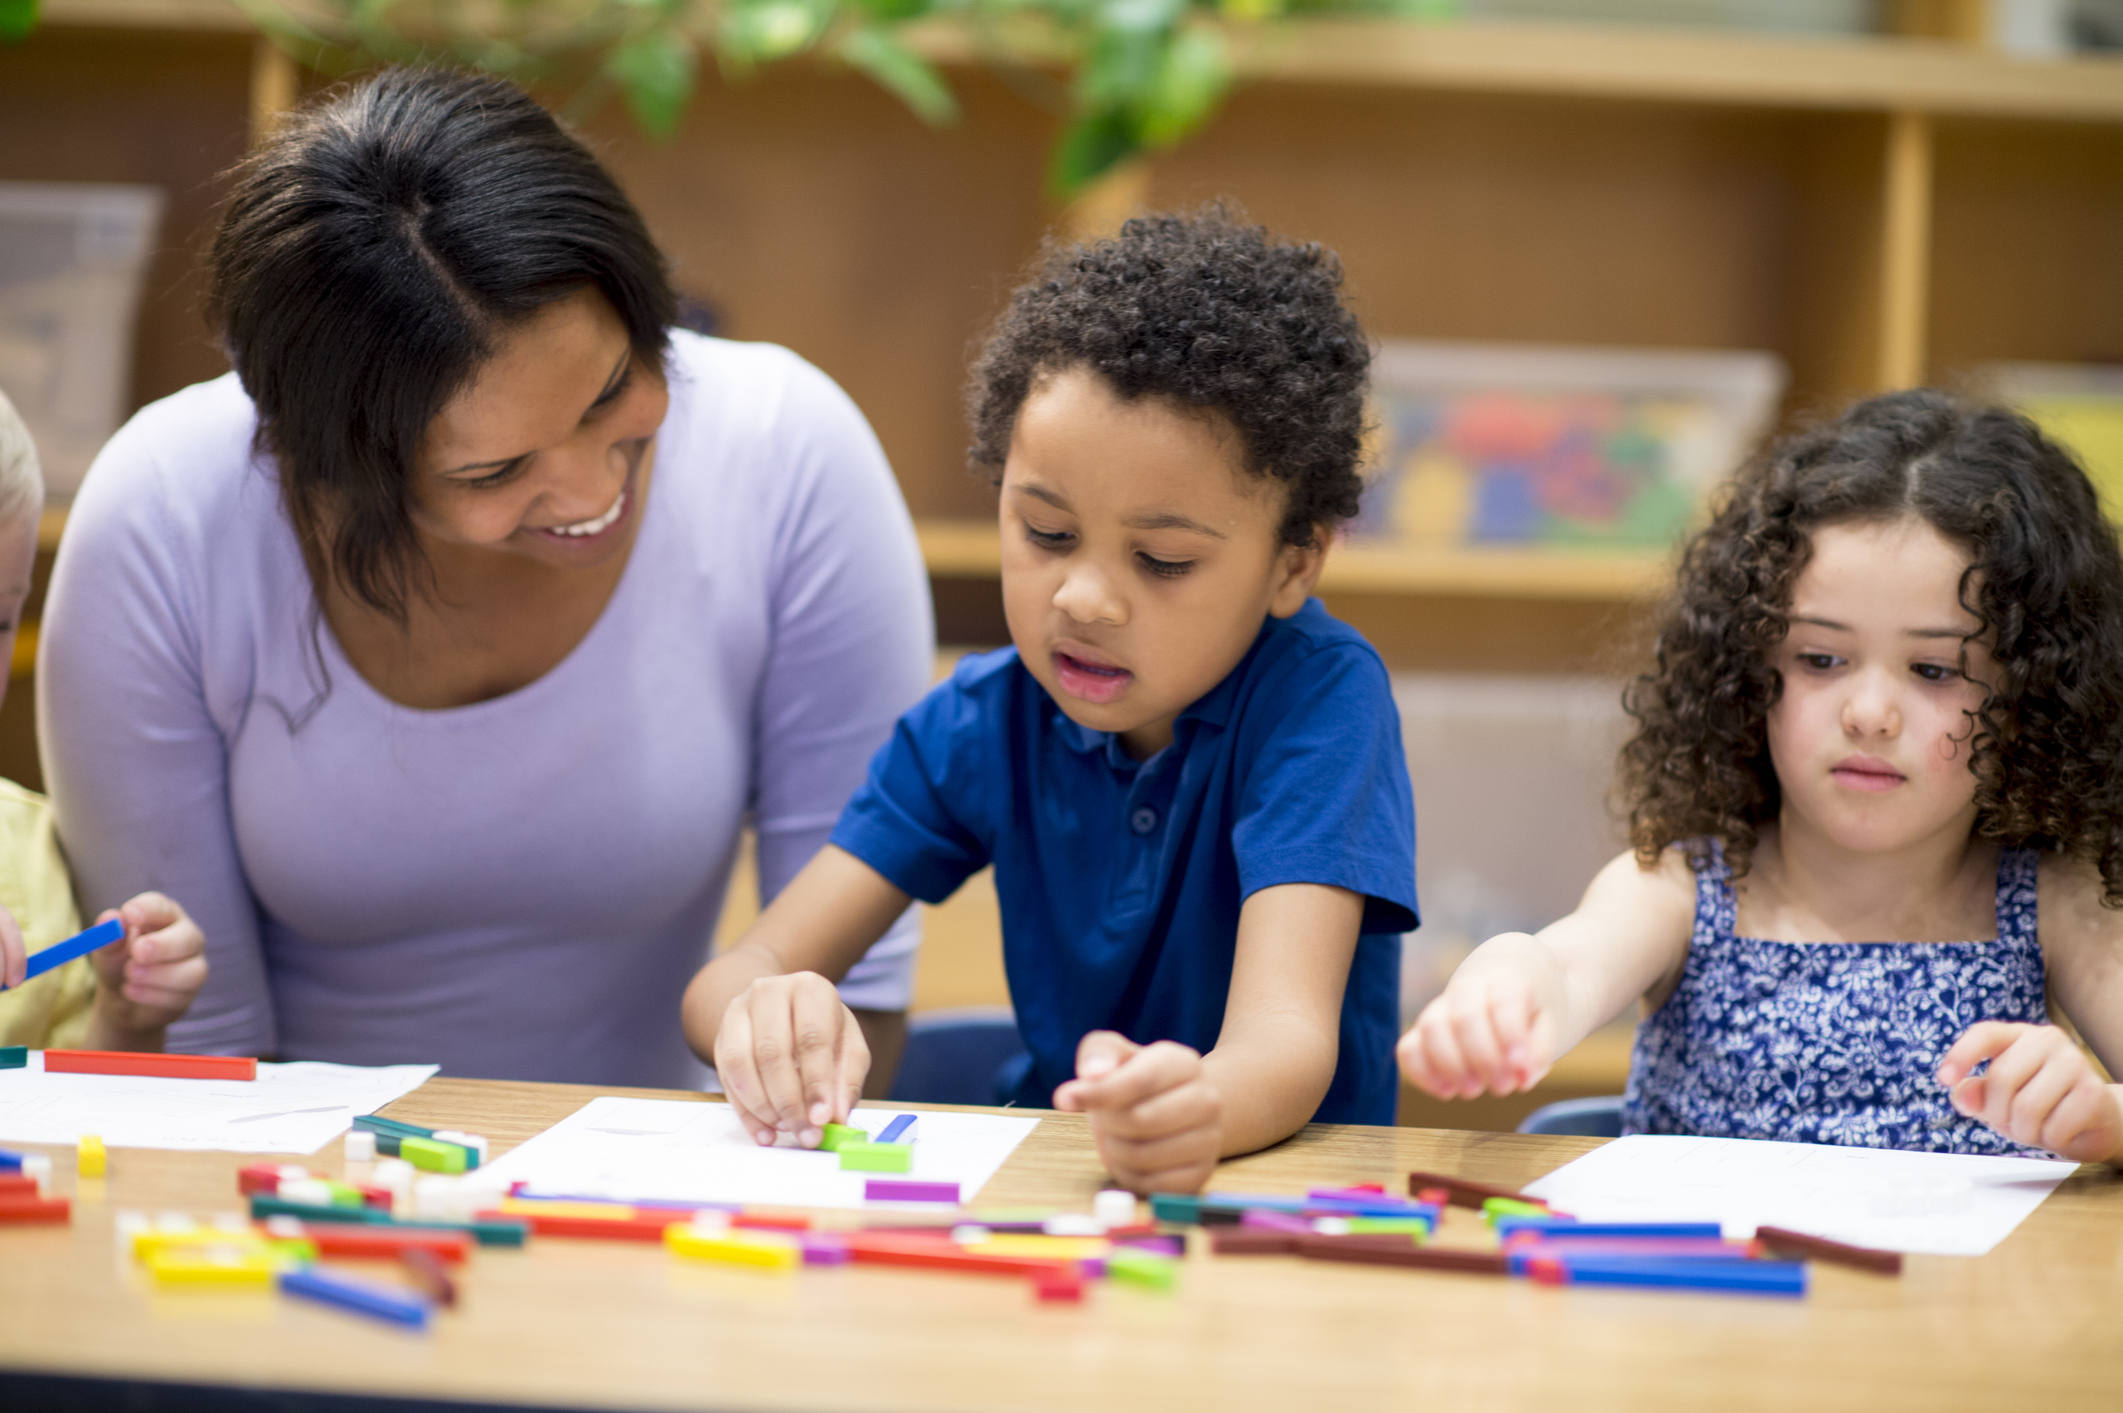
(1143, 820)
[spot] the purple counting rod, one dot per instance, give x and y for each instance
(887, 1190)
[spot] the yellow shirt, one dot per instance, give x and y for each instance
(52, 1009)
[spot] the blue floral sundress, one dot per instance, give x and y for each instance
(1830, 1042)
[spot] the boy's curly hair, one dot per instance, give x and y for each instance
(2046, 585)
(1213, 315)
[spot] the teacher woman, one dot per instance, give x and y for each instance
(436, 657)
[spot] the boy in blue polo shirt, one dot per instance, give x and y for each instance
(1187, 775)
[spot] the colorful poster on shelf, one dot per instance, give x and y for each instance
(2079, 404)
(1539, 446)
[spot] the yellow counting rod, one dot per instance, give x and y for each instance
(242, 1264)
(733, 1248)
(90, 1159)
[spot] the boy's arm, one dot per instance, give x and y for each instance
(765, 1013)
(2039, 1089)
(1163, 1115)
(1519, 1002)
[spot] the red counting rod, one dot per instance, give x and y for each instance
(16, 1210)
(16, 1185)
(944, 1255)
(638, 1228)
(385, 1243)
(153, 1066)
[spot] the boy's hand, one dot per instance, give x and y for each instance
(151, 977)
(1493, 1030)
(2039, 1090)
(791, 1057)
(1158, 1119)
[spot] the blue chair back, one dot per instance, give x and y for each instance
(1591, 1118)
(968, 1055)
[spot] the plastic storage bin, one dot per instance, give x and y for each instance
(72, 257)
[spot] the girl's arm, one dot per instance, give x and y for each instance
(1519, 1002)
(765, 1013)
(2039, 1089)
(1163, 1114)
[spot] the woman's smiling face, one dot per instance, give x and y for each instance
(1139, 556)
(540, 454)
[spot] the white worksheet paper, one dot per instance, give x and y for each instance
(1820, 1189)
(674, 1151)
(291, 1108)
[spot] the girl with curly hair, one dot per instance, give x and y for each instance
(1887, 703)
(1187, 776)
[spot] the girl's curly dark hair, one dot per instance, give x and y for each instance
(2046, 585)
(1214, 315)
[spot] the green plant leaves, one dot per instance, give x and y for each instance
(17, 19)
(902, 72)
(1141, 75)
(655, 71)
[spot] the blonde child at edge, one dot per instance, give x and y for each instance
(123, 996)
(1876, 795)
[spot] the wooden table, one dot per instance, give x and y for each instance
(585, 1324)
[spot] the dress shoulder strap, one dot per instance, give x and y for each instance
(1717, 907)
(2018, 870)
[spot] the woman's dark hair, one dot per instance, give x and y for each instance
(370, 256)
(1212, 315)
(2045, 584)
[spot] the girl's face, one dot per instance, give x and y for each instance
(1870, 737)
(540, 454)
(1139, 557)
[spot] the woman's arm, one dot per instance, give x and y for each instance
(853, 648)
(136, 766)
(790, 1053)
(1163, 1115)
(1519, 1003)
(2039, 1089)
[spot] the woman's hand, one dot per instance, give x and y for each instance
(14, 952)
(2039, 1090)
(1494, 1029)
(1154, 1110)
(150, 978)
(791, 1057)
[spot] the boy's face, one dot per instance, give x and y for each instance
(1139, 557)
(18, 557)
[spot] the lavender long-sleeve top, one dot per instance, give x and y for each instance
(520, 888)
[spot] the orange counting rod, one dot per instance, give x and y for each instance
(427, 1273)
(34, 1209)
(154, 1066)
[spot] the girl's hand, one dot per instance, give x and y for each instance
(1493, 1030)
(2039, 1090)
(791, 1057)
(151, 977)
(1158, 1119)
(14, 952)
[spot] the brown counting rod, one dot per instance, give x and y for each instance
(1778, 1239)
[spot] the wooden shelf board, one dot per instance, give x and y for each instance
(1865, 73)
(972, 549)
(1868, 73)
